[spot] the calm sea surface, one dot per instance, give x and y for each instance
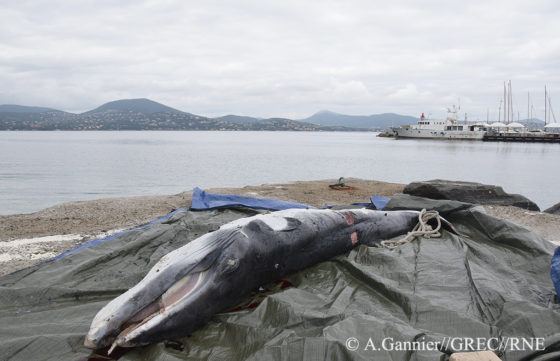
(41, 169)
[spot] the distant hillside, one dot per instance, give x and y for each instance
(19, 117)
(145, 114)
(533, 123)
(144, 106)
(12, 108)
(288, 124)
(127, 114)
(140, 114)
(371, 122)
(252, 123)
(238, 119)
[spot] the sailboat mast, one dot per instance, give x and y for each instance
(512, 117)
(500, 111)
(505, 105)
(551, 111)
(545, 96)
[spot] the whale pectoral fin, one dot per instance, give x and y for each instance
(256, 226)
(292, 223)
(273, 224)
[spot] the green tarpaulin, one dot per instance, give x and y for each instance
(491, 283)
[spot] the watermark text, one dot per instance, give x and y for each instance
(455, 344)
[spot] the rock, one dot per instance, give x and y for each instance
(469, 192)
(474, 356)
(555, 209)
(387, 134)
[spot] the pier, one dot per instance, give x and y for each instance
(540, 137)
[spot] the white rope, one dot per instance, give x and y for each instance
(422, 229)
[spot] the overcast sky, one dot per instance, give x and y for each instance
(282, 58)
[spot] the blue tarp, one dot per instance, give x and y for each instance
(202, 200)
(379, 202)
(555, 271)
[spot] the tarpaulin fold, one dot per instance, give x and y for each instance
(491, 281)
(202, 200)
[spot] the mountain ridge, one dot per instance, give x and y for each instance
(239, 119)
(139, 105)
(141, 114)
(14, 108)
(146, 114)
(370, 122)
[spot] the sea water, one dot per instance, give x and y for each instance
(41, 169)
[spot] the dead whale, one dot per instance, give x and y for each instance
(213, 272)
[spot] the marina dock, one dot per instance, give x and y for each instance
(540, 137)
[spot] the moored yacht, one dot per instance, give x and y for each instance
(442, 129)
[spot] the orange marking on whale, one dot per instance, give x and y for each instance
(349, 219)
(354, 237)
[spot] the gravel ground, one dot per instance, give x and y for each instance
(26, 239)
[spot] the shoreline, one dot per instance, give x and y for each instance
(68, 225)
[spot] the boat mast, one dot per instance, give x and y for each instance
(511, 117)
(545, 105)
(528, 101)
(550, 110)
(505, 105)
(500, 111)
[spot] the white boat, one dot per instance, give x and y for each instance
(442, 129)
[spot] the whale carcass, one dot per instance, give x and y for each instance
(213, 272)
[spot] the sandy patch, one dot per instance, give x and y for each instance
(19, 253)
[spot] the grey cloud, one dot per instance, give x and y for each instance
(270, 58)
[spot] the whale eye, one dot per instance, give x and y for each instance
(230, 265)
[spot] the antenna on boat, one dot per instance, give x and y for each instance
(453, 110)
